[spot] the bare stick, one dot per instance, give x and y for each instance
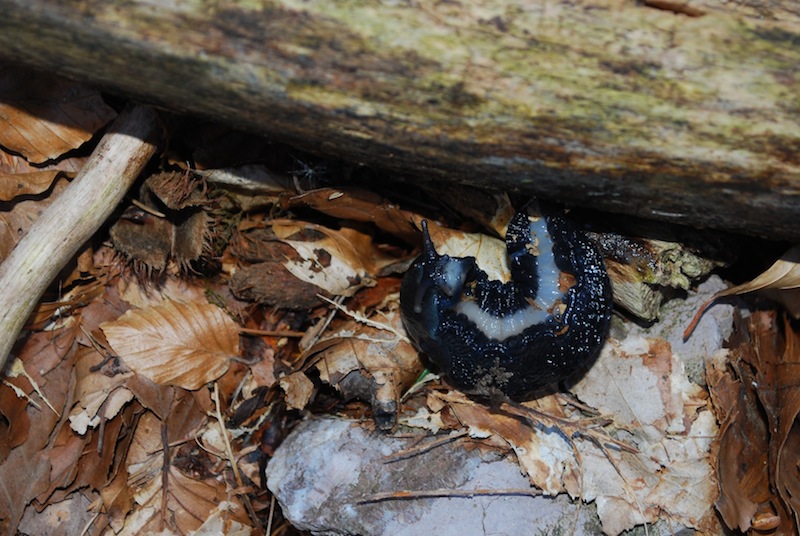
(402, 495)
(73, 218)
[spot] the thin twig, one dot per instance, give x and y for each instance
(271, 515)
(229, 452)
(402, 495)
(272, 332)
(420, 449)
(164, 475)
(364, 320)
(72, 218)
(147, 209)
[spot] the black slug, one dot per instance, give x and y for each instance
(512, 339)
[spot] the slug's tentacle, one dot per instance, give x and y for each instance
(515, 338)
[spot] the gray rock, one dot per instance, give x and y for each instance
(327, 466)
(715, 326)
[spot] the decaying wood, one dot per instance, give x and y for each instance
(680, 111)
(646, 272)
(73, 218)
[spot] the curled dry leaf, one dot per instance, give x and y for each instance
(364, 362)
(33, 183)
(42, 117)
(489, 252)
(186, 345)
(757, 394)
(15, 223)
(783, 275)
(340, 262)
(359, 205)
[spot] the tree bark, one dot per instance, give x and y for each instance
(683, 111)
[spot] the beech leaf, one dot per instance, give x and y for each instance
(783, 275)
(42, 117)
(182, 344)
(489, 252)
(340, 261)
(16, 185)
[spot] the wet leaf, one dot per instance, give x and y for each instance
(186, 345)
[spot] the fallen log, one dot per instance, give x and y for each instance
(679, 111)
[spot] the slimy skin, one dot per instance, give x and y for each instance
(511, 340)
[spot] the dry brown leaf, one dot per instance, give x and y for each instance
(756, 392)
(340, 261)
(15, 222)
(489, 252)
(367, 362)
(190, 500)
(742, 446)
(13, 164)
(92, 392)
(80, 462)
(34, 183)
(360, 205)
(15, 423)
(783, 275)
(185, 345)
(785, 448)
(117, 499)
(42, 117)
(298, 389)
(25, 473)
(775, 365)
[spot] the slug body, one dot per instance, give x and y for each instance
(512, 339)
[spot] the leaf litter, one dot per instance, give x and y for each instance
(147, 397)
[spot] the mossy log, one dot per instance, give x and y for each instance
(683, 111)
